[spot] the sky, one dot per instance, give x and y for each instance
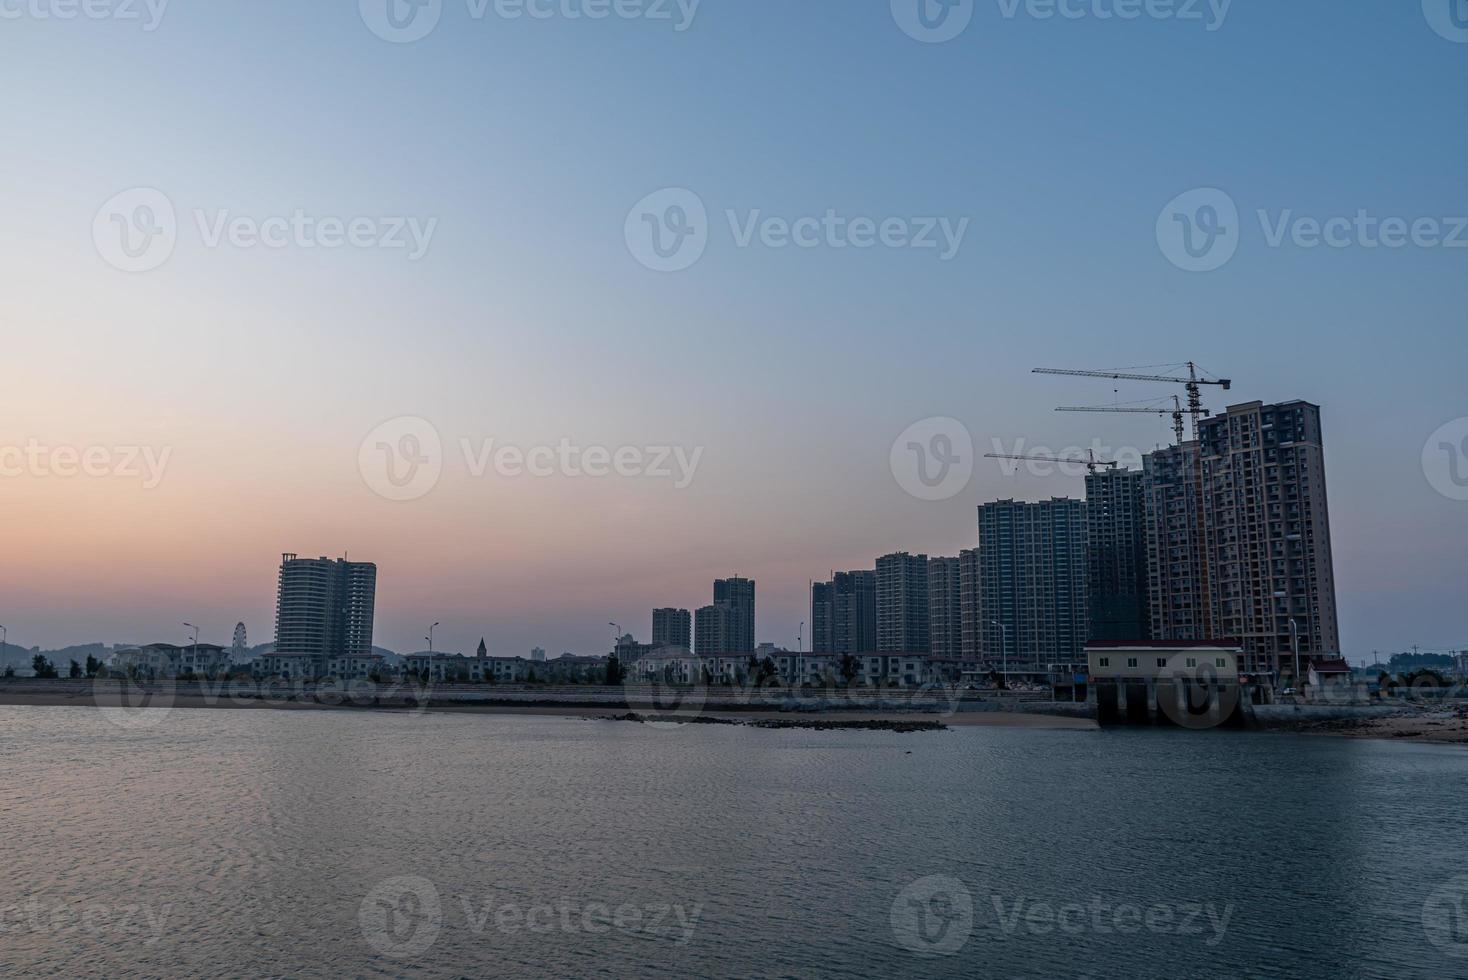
(285, 277)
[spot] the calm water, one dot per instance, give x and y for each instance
(309, 844)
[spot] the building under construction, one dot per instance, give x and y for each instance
(1238, 537)
(1267, 545)
(1234, 532)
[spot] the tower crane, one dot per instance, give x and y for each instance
(1090, 463)
(1176, 412)
(1192, 382)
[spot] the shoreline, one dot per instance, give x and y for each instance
(1438, 728)
(1446, 725)
(824, 719)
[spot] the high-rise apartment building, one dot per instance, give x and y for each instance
(672, 628)
(1177, 574)
(970, 613)
(823, 617)
(1116, 556)
(1267, 533)
(324, 607)
(843, 613)
(855, 628)
(1032, 583)
(738, 595)
(945, 624)
(711, 630)
(902, 603)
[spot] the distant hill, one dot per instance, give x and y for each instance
(79, 652)
(20, 657)
(1404, 663)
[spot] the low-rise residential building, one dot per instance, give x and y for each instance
(802, 669)
(355, 667)
(165, 660)
(905, 670)
(798, 669)
(288, 666)
(437, 668)
(874, 670)
(317, 667)
(1325, 670)
(660, 665)
(207, 659)
(455, 668)
(143, 662)
(1330, 679)
(501, 670)
(571, 669)
(672, 665)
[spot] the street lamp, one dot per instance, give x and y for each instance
(428, 663)
(195, 650)
(1003, 650)
(1295, 646)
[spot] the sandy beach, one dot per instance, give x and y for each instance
(1444, 726)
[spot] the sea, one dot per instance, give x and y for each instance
(228, 843)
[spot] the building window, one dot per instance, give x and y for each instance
(1131, 661)
(1105, 661)
(1162, 661)
(1220, 662)
(1192, 661)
